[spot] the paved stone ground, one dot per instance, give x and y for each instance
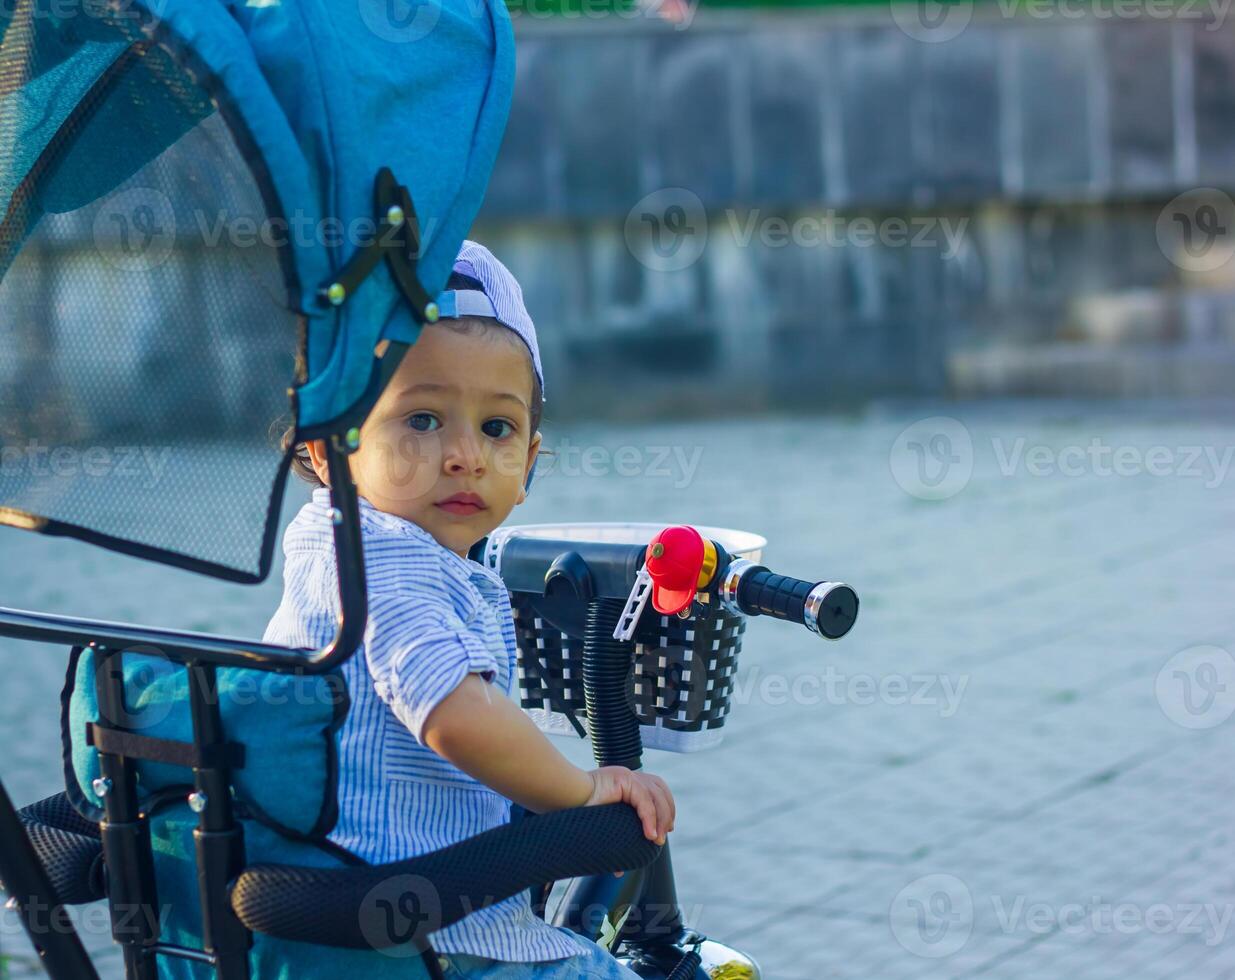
(1014, 767)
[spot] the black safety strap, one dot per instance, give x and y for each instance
(131, 745)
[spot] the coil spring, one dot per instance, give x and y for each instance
(685, 970)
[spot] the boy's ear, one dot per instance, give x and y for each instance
(533, 449)
(317, 456)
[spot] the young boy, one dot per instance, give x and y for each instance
(433, 749)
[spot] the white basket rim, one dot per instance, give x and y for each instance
(744, 544)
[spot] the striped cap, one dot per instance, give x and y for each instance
(502, 298)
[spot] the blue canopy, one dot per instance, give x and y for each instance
(323, 93)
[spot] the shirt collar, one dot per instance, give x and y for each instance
(381, 523)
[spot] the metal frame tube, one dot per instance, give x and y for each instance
(218, 838)
(31, 895)
(132, 895)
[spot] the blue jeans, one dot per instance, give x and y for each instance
(595, 964)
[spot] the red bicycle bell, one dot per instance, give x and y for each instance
(677, 560)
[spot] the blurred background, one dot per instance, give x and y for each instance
(817, 207)
(940, 299)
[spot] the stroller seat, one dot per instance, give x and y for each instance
(296, 892)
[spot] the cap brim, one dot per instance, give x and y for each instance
(670, 602)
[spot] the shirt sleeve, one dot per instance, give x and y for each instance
(418, 651)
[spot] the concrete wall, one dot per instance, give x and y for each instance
(810, 209)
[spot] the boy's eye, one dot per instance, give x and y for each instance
(497, 428)
(423, 422)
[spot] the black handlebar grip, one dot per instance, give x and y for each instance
(827, 608)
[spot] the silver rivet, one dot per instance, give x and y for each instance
(353, 438)
(197, 802)
(432, 313)
(11, 904)
(394, 215)
(336, 293)
(336, 516)
(101, 786)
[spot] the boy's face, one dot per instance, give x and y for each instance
(448, 444)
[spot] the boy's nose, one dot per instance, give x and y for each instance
(464, 455)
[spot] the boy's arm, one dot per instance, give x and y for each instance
(430, 671)
(485, 734)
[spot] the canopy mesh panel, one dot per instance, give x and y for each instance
(147, 340)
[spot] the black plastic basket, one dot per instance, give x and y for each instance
(682, 675)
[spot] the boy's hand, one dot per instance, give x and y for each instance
(648, 794)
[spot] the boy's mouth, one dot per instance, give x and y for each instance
(462, 504)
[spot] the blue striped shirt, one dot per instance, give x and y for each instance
(434, 618)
